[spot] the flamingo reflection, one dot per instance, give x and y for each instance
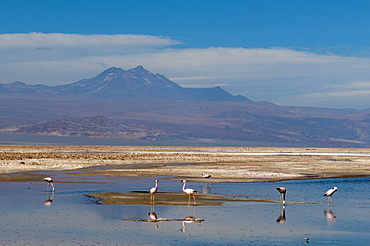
(206, 189)
(153, 216)
(49, 201)
(331, 218)
(282, 217)
(188, 220)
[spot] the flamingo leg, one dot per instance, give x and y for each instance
(194, 201)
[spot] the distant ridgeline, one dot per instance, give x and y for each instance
(120, 84)
(139, 105)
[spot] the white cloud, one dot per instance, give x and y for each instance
(353, 94)
(195, 78)
(353, 85)
(39, 47)
(340, 94)
(280, 75)
(90, 43)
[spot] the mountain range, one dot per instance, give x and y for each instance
(137, 104)
(120, 84)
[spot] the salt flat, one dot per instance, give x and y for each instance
(225, 164)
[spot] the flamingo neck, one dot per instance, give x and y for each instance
(183, 187)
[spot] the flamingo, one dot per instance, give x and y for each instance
(206, 175)
(282, 191)
(153, 190)
(189, 192)
(330, 192)
(50, 182)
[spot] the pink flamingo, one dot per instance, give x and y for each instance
(330, 192)
(206, 175)
(189, 192)
(50, 182)
(282, 191)
(153, 191)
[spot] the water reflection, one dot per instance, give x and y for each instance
(90, 222)
(206, 189)
(331, 218)
(282, 217)
(186, 220)
(49, 199)
(153, 216)
(189, 219)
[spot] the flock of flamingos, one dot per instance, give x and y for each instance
(191, 192)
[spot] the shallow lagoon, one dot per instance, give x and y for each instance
(73, 218)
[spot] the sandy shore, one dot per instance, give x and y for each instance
(225, 164)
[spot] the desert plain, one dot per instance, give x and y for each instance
(224, 164)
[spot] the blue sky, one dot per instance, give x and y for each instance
(297, 52)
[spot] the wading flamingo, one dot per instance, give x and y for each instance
(282, 191)
(189, 192)
(206, 175)
(330, 192)
(153, 191)
(50, 182)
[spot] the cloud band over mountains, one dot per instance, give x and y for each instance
(280, 75)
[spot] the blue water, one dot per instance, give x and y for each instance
(72, 218)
